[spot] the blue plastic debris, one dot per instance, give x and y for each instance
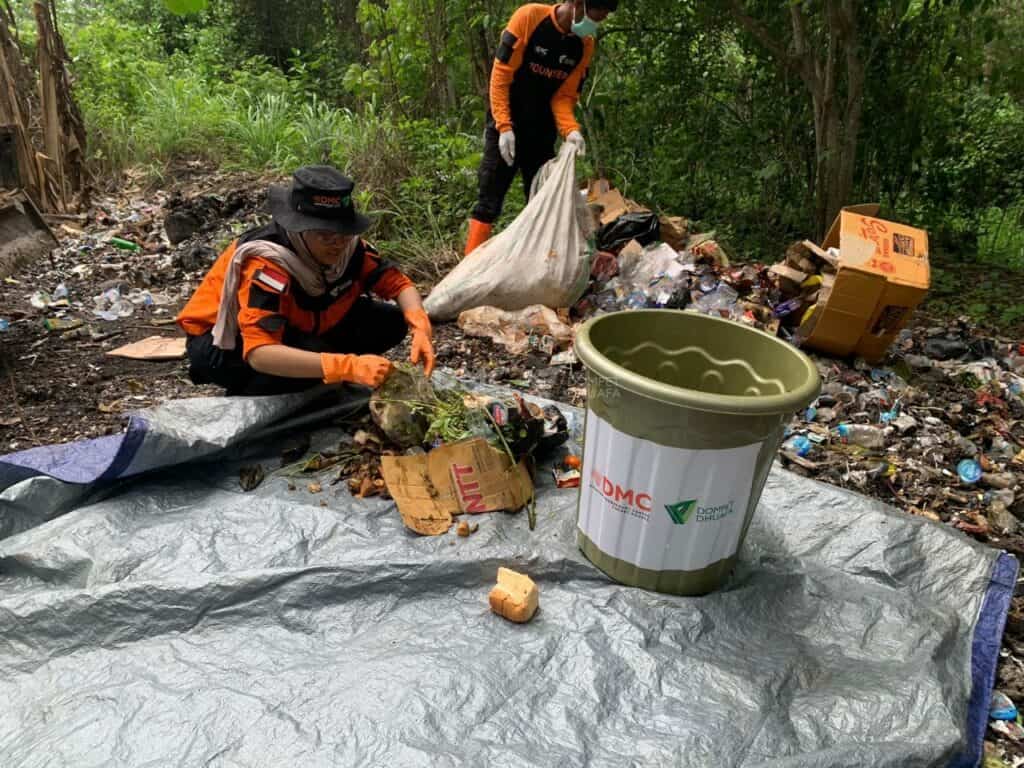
(799, 445)
(1002, 708)
(969, 471)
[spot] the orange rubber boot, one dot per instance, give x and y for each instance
(479, 232)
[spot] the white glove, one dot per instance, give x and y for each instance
(576, 139)
(507, 147)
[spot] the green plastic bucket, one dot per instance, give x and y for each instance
(685, 413)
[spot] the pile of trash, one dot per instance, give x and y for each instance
(642, 260)
(939, 432)
(438, 452)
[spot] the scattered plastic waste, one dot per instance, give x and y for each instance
(110, 305)
(125, 245)
(5, 324)
(800, 445)
(864, 435)
(1002, 708)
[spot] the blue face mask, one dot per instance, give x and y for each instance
(585, 27)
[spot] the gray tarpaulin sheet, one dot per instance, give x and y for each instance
(153, 614)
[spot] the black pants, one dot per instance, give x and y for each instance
(369, 328)
(495, 175)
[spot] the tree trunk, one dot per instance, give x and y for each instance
(833, 71)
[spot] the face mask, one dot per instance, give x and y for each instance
(585, 27)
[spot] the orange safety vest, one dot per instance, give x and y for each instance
(270, 301)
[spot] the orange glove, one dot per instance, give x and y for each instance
(368, 370)
(422, 347)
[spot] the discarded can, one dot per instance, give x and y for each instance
(969, 471)
(1002, 708)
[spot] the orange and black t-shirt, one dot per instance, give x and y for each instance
(270, 301)
(538, 73)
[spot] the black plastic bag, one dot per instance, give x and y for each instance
(642, 227)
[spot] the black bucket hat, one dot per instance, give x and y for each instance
(319, 197)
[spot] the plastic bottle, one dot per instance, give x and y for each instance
(636, 300)
(799, 445)
(864, 435)
(1002, 708)
(125, 245)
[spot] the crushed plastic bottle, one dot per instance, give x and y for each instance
(864, 435)
(1001, 707)
(799, 445)
(110, 305)
(721, 298)
(636, 300)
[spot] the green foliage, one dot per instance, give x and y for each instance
(182, 7)
(684, 110)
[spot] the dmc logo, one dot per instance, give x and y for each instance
(615, 493)
(542, 51)
(680, 511)
(567, 61)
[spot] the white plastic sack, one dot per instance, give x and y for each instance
(542, 257)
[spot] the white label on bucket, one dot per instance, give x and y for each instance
(661, 507)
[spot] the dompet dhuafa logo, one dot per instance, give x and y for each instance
(682, 511)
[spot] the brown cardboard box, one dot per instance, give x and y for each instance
(883, 275)
(467, 477)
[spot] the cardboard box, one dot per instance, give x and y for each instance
(467, 477)
(883, 275)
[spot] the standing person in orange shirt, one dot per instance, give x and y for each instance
(286, 306)
(536, 80)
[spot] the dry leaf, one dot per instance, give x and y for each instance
(314, 488)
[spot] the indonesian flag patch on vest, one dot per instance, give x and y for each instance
(272, 279)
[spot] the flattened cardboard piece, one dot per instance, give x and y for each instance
(787, 272)
(596, 188)
(674, 230)
(820, 253)
(613, 205)
(152, 348)
(468, 477)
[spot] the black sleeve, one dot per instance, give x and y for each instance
(508, 42)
